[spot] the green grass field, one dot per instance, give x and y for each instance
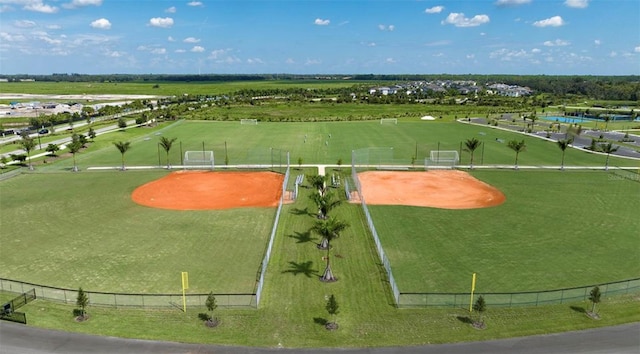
(325, 142)
(83, 230)
(555, 230)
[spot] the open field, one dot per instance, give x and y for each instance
(325, 142)
(555, 230)
(83, 230)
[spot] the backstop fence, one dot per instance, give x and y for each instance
(267, 254)
(533, 298)
(357, 157)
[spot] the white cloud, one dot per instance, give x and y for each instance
(438, 43)
(321, 22)
(24, 24)
(54, 27)
(255, 61)
(577, 4)
(191, 40)
(290, 61)
(389, 28)
(171, 10)
(597, 42)
(180, 51)
(471, 56)
(38, 6)
(535, 50)
(390, 61)
(74, 4)
(195, 3)
(102, 23)
(313, 62)
(434, 10)
(556, 43)
(613, 54)
(458, 20)
(197, 49)
(159, 51)
(371, 44)
(161, 22)
(512, 2)
(6, 37)
(171, 39)
(637, 49)
(555, 21)
(508, 55)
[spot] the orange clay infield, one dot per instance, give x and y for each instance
(436, 189)
(205, 190)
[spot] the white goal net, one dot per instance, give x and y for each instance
(388, 120)
(249, 121)
(442, 159)
(198, 159)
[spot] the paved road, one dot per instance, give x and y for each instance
(20, 339)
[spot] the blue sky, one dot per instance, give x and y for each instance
(552, 37)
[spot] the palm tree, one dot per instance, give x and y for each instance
(608, 149)
(470, 146)
(28, 144)
(122, 146)
(74, 147)
(330, 230)
(518, 147)
(166, 144)
(325, 203)
(317, 181)
(563, 145)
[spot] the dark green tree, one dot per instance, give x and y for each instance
(82, 301)
(325, 203)
(74, 147)
(91, 133)
(471, 145)
(332, 308)
(123, 147)
(122, 123)
(299, 162)
(594, 297)
(330, 230)
(480, 306)
(317, 182)
(52, 149)
(608, 149)
(166, 145)
(28, 144)
(563, 145)
(518, 147)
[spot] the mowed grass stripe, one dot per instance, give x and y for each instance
(555, 230)
(82, 229)
(325, 142)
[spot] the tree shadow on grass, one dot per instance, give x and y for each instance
(465, 319)
(301, 268)
(298, 211)
(320, 321)
(578, 309)
(302, 237)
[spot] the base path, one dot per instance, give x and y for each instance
(437, 189)
(205, 190)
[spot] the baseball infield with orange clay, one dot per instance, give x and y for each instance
(206, 190)
(437, 189)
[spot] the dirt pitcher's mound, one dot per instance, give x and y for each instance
(436, 189)
(205, 190)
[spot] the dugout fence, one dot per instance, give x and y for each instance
(274, 229)
(356, 155)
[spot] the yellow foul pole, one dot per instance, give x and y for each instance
(473, 288)
(185, 286)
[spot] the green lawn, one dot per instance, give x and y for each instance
(324, 142)
(555, 230)
(83, 230)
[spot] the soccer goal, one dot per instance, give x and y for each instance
(198, 159)
(248, 121)
(442, 159)
(388, 120)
